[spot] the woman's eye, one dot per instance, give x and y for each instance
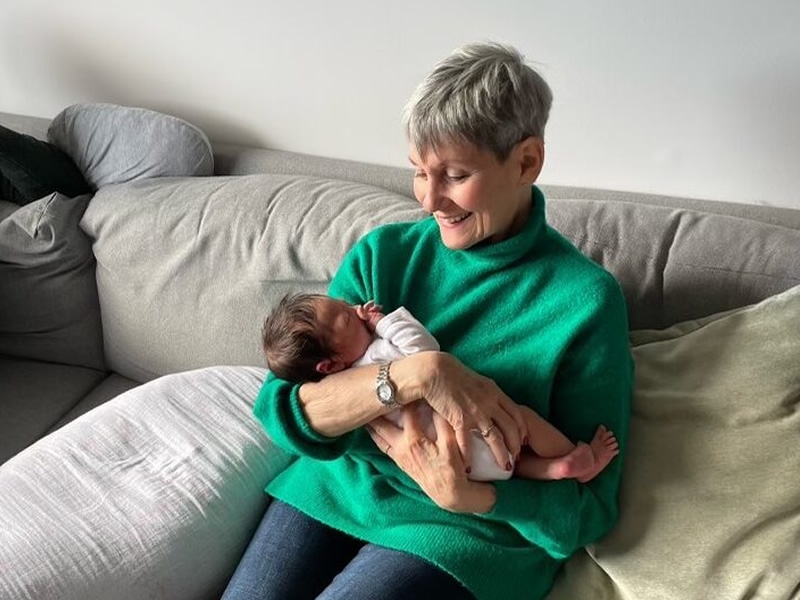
(457, 176)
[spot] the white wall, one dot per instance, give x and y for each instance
(697, 98)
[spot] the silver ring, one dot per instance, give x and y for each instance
(488, 430)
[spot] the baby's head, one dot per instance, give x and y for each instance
(309, 336)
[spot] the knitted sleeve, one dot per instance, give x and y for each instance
(593, 386)
(278, 406)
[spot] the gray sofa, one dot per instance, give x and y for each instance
(131, 466)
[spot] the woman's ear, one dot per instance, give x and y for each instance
(530, 159)
(328, 366)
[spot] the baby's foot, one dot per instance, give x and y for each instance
(604, 448)
(577, 463)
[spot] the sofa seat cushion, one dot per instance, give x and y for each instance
(152, 495)
(34, 396)
(49, 309)
(188, 268)
(114, 144)
(7, 208)
(110, 387)
(710, 502)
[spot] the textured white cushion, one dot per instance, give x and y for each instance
(153, 495)
(710, 502)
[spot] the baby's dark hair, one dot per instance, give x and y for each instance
(292, 341)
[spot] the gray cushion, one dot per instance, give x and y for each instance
(676, 265)
(151, 496)
(188, 268)
(48, 297)
(710, 500)
(114, 144)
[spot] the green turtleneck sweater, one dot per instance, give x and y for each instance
(540, 319)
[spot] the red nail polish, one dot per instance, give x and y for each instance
(508, 466)
(525, 442)
(469, 470)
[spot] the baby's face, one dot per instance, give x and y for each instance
(346, 331)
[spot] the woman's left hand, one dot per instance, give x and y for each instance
(436, 465)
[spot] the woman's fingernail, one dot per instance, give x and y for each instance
(469, 470)
(508, 466)
(525, 442)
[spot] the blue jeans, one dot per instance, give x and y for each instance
(294, 557)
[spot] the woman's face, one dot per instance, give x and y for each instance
(473, 196)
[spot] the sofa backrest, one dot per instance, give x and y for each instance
(187, 268)
(677, 264)
(231, 159)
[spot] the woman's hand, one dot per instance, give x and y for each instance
(436, 465)
(469, 401)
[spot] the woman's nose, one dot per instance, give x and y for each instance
(432, 196)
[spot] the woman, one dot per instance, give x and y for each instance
(383, 511)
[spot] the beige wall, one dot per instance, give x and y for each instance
(688, 97)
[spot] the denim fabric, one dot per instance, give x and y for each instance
(31, 169)
(293, 556)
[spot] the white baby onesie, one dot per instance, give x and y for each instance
(399, 334)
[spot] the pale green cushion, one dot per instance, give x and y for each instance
(710, 503)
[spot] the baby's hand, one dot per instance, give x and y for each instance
(370, 313)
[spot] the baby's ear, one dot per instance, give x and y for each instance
(328, 366)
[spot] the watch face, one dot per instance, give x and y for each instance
(385, 391)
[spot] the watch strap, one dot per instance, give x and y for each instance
(385, 384)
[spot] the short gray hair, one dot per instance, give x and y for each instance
(484, 94)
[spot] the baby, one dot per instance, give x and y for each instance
(309, 336)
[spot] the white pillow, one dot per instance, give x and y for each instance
(710, 500)
(153, 495)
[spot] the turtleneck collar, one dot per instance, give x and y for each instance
(513, 248)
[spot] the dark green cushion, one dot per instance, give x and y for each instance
(31, 169)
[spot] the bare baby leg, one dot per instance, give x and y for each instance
(555, 457)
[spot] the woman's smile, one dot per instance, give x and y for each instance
(453, 220)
